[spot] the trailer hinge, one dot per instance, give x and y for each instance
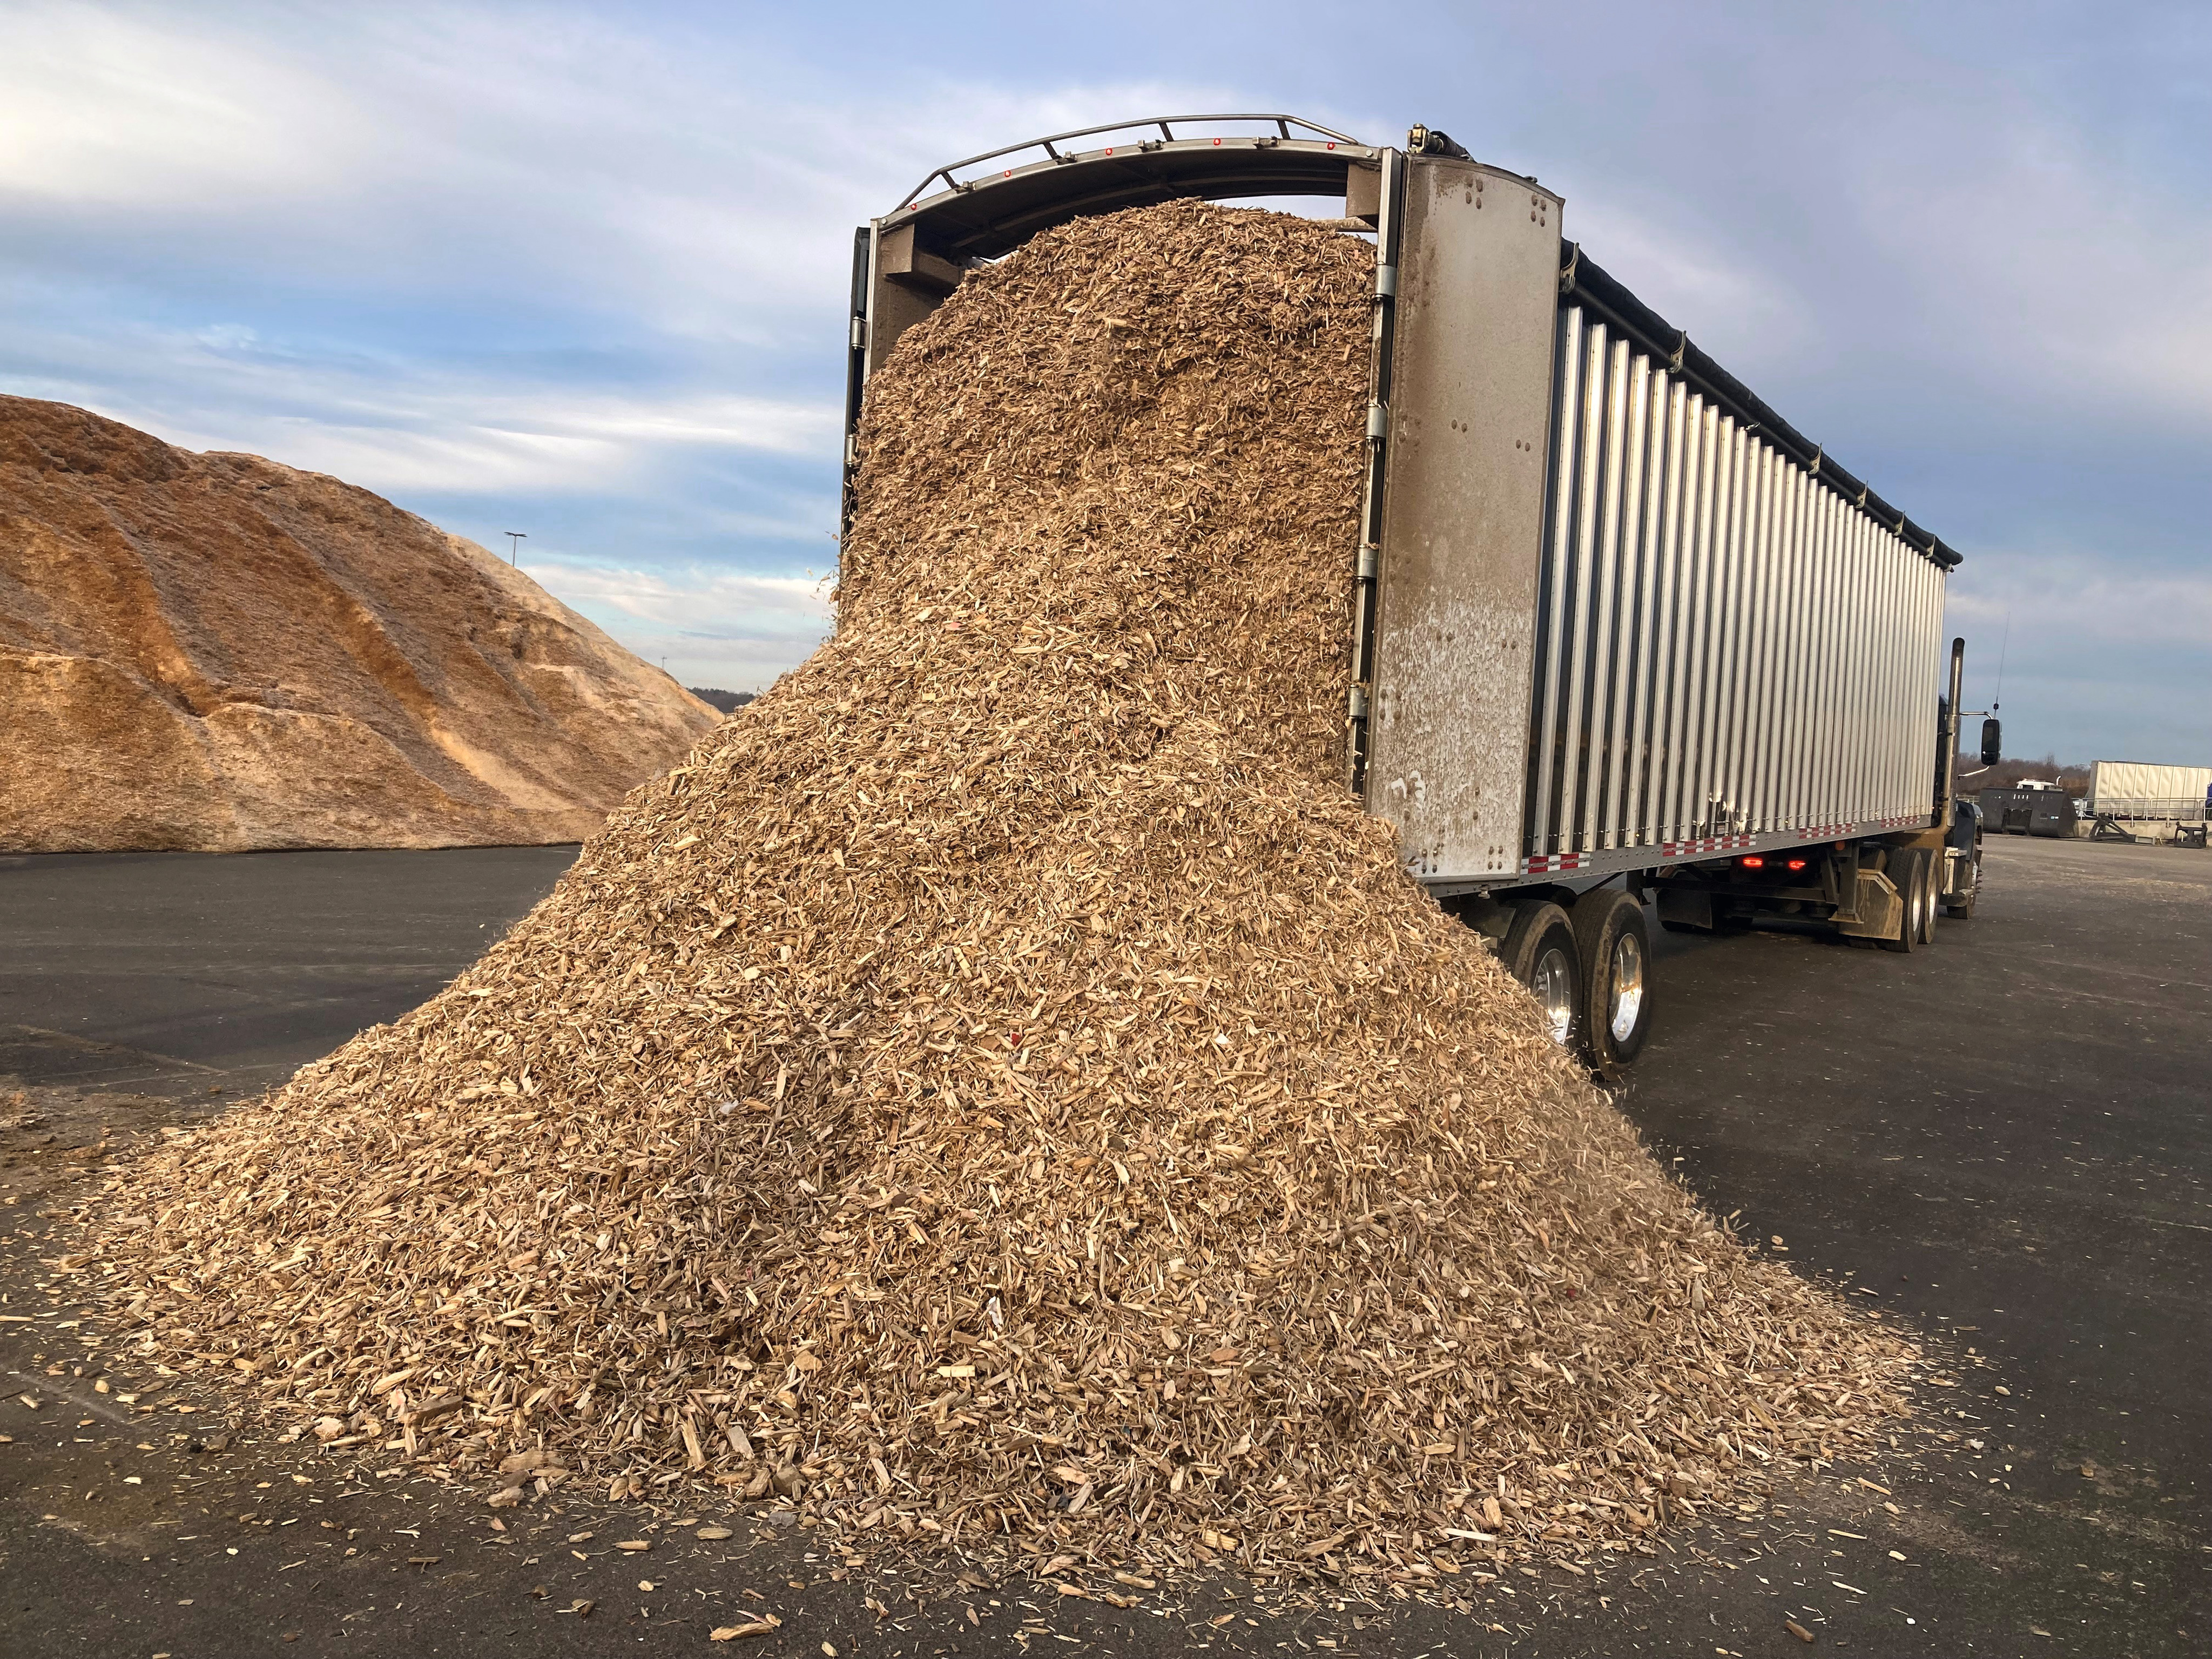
(1359, 703)
(1386, 282)
(860, 332)
(1573, 265)
(1370, 562)
(852, 449)
(1378, 422)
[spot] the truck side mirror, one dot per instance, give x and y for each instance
(1992, 742)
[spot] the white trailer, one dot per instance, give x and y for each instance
(2141, 790)
(1622, 635)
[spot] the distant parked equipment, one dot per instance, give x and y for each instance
(2029, 808)
(2140, 791)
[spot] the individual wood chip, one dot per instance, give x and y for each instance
(712, 1535)
(635, 1546)
(1797, 1630)
(760, 1627)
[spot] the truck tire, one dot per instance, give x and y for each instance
(1908, 873)
(1540, 952)
(1931, 894)
(1963, 909)
(1615, 943)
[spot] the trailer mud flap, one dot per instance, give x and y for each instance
(1880, 909)
(1685, 907)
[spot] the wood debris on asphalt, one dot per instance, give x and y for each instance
(1000, 1092)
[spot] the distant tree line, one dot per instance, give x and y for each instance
(714, 696)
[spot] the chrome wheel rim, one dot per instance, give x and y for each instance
(1627, 986)
(1553, 983)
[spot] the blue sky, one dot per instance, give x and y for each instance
(580, 271)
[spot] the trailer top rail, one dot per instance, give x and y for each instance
(975, 219)
(1166, 124)
(983, 218)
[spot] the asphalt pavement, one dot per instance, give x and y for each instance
(2001, 1143)
(160, 971)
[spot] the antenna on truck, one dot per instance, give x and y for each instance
(2003, 646)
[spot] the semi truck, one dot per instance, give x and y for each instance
(1623, 641)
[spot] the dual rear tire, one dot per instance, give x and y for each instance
(1912, 872)
(1589, 971)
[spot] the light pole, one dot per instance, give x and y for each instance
(514, 541)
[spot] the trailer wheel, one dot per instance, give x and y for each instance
(1908, 873)
(1615, 946)
(1540, 952)
(1931, 893)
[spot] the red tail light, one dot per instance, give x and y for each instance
(1753, 862)
(1795, 864)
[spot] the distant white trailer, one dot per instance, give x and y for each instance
(2141, 790)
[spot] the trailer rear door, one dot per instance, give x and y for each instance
(1462, 510)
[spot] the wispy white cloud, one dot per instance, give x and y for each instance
(2087, 281)
(687, 176)
(2086, 600)
(501, 441)
(104, 109)
(711, 626)
(400, 425)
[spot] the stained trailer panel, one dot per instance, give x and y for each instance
(1474, 288)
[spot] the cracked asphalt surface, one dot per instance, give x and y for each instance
(2003, 1143)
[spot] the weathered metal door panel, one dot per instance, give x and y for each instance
(1462, 516)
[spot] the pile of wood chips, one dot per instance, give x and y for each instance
(1001, 1089)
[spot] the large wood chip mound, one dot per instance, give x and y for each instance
(1002, 1090)
(214, 653)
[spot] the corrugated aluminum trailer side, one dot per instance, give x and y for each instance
(1622, 616)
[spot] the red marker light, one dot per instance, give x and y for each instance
(1754, 862)
(1796, 864)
